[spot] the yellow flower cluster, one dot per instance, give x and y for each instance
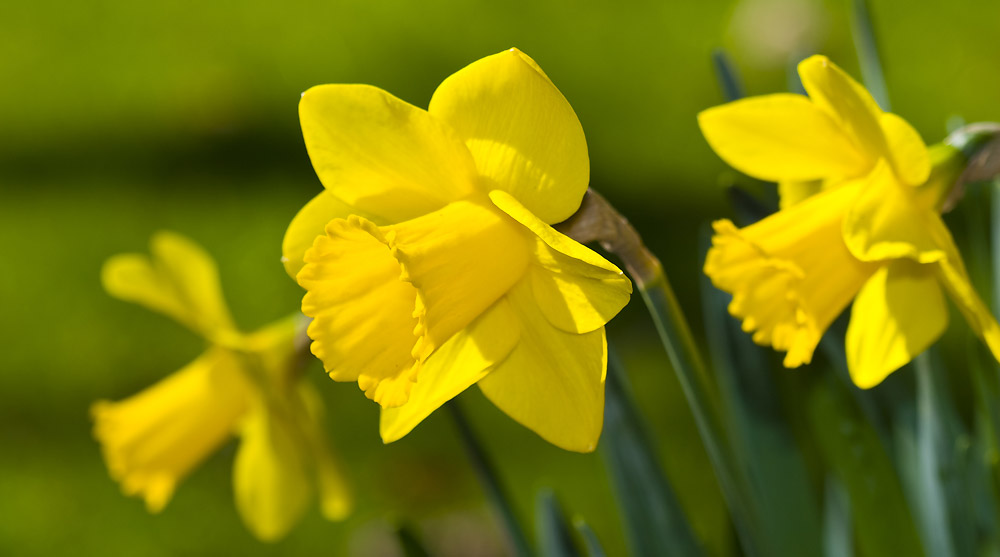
(244, 384)
(430, 262)
(859, 220)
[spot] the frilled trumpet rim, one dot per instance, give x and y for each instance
(790, 274)
(384, 299)
(153, 440)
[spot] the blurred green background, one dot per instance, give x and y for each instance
(120, 118)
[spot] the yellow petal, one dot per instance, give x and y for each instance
(876, 133)
(309, 223)
(335, 495)
(781, 137)
(335, 499)
(887, 222)
(179, 280)
(458, 364)
(523, 134)
(578, 290)
(385, 298)
(959, 286)
(382, 155)
(153, 440)
(132, 277)
(907, 150)
(849, 104)
(897, 315)
(790, 274)
(461, 259)
(792, 192)
(575, 300)
(553, 381)
(554, 239)
(362, 312)
(270, 475)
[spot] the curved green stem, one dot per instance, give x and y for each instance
(598, 221)
(675, 334)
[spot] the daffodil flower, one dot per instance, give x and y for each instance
(244, 384)
(859, 220)
(430, 262)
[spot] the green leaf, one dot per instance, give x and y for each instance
(747, 208)
(590, 541)
(726, 75)
(994, 232)
(983, 256)
(871, 63)
(409, 541)
(931, 458)
(654, 522)
(555, 538)
(882, 520)
(838, 534)
(782, 498)
(982, 222)
(871, 401)
(496, 491)
(982, 491)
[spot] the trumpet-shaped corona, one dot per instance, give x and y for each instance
(157, 437)
(859, 220)
(243, 385)
(429, 260)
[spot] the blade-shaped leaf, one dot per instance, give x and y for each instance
(590, 541)
(931, 458)
(785, 506)
(555, 538)
(496, 491)
(409, 542)
(871, 63)
(654, 522)
(882, 520)
(838, 533)
(982, 493)
(725, 73)
(870, 401)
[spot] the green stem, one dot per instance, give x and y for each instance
(598, 221)
(675, 333)
(490, 481)
(933, 443)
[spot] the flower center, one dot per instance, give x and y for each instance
(384, 299)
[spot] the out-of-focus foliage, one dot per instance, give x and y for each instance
(120, 118)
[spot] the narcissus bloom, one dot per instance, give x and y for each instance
(244, 384)
(859, 219)
(429, 260)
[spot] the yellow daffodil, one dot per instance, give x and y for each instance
(429, 260)
(859, 219)
(244, 384)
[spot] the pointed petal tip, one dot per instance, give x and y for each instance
(387, 437)
(390, 431)
(819, 60)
